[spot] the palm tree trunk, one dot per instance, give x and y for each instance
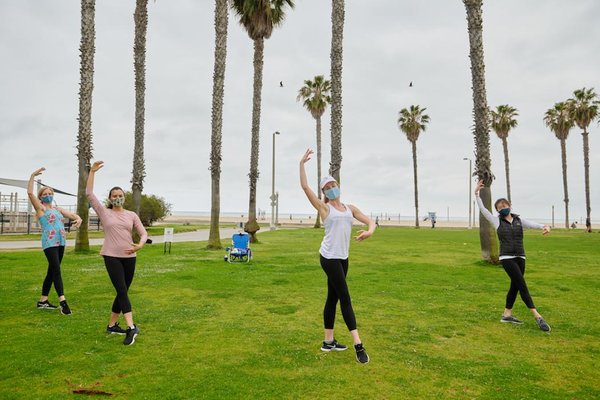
(487, 237)
(221, 22)
(139, 55)
(252, 225)
(84, 135)
(586, 166)
(506, 168)
(414, 154)
(563, 155)
(337, 36)
(318, 119)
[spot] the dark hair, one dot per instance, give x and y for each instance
(110, 193)
(501, 199)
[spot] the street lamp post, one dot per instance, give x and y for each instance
(273, 196)
(470, 174)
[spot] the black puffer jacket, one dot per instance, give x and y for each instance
(511, 237)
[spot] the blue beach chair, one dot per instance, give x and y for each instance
(240, 248)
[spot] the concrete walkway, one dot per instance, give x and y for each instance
(196, 236)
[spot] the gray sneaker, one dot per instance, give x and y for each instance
(511, 320)
(130, 335)
(543, 325)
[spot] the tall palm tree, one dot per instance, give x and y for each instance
(337, 38)
(258, 17)
(584, 109)
(559, 120)
(140, 18)
(315, 96)
(221, 22)
(84, 134)
(412, 122)
(481, 130)
(502, 121)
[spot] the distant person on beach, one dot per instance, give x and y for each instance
(512, 255)
(53, 241)
(337, 219)
(118, 251)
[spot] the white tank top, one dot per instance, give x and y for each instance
(338, 227)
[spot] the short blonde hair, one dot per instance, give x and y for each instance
(42, 191)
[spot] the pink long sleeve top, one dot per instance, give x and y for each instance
(118, 226)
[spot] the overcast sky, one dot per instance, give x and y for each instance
(536, 53)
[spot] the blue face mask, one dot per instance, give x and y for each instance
(504, 212)
(332, 193)
(47, 199)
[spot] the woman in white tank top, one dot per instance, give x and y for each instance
(337, 219)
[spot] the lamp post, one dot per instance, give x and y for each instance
(273, 196)
(470, 174)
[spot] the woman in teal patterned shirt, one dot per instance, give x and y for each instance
(53, 241)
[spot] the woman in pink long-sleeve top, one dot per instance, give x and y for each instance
(118, 251)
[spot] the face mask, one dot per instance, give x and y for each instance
(332, 193)
(504, 212)
(47, 199)
(118, 201)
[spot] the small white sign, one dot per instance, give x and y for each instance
(168, 235)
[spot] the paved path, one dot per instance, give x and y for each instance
(196, 236)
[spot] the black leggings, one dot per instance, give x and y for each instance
(515, 268)
(121, 271)
(54, 256)
(337, 289)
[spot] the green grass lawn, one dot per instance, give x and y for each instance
(427, 309)
(155, 230)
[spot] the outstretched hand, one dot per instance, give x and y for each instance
(96, 166)
(480, 184)
(306, 156)
(38, 171)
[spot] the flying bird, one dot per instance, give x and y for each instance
(410, 84)
(280, 83)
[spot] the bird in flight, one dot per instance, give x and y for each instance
(410, 84)
(280, 83)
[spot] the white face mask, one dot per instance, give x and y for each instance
(118, 201)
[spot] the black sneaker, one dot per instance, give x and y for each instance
(543, 325)
(333, 346)
(115, 329)
(510, 319)
(45, 305)
(361, 354)
(131, 334)
(64, 308)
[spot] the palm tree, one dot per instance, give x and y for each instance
(412, 122)
(84, 134)
(559, 120)
(481, 130)
(337, 36)
(584, 109)
(502, 121)
(316, 97)
(140, 18)
(221, 21)
(258, 17)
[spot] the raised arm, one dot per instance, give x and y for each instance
(89, 189)
(484, 211)
(312, 197)
(362, 234)
(35, 202)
